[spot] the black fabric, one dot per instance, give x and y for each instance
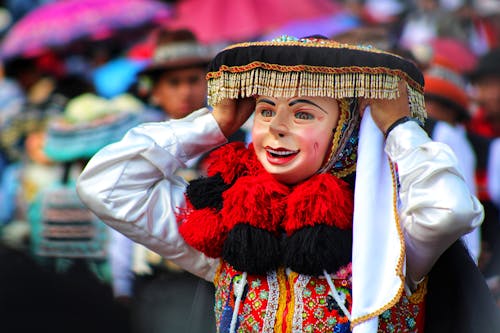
(430, 124)
(311, 250)
(349, 58)
(458, 299)
(490, 229)
(206, 192)
(252, 250)
(488, 65)
(481, 146)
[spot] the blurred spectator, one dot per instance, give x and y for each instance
(12, 97)
(447, 106)
(485, 80)
(429, 20)
(177, 73)
(12, 100)
(484, 133)
(485, 26)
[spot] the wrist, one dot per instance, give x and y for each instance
(400, 121)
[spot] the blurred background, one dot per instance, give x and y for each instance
(75, 75)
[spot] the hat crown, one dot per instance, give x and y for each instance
(179, 50)
(446, 74)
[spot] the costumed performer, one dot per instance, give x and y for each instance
(330, 221)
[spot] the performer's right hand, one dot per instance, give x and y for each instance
(231, 114)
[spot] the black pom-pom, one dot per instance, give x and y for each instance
(252, 250)
(311, 250)
(206, 192)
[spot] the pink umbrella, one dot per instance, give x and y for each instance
(216, 21)
(59, 23)
(328, 26)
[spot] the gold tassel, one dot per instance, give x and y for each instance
(258, 81)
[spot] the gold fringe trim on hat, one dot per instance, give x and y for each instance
(302, 80)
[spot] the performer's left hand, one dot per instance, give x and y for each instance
(386, 111)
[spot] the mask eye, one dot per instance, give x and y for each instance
(303, 115)
(266, 113)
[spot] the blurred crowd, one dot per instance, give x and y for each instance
(64, 269)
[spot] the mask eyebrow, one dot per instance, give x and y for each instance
(306, 101)
(265, 100)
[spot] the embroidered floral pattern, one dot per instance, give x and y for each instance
(402, 318)
(314, 310)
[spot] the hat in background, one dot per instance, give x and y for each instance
(177, 49)
(89, 123)
(488, 65)
(452, 53)
(448, 88)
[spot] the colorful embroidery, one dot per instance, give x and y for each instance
(401, 318)
(309, 307)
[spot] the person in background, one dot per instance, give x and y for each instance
(484, 134)
(485, 80)
(447, 105)
(12, 101)
(176, 73)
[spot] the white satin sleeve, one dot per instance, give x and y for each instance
(435, 204)
(131, 185)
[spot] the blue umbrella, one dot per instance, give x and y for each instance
(116, 76)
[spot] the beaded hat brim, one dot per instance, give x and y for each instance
(312, 67)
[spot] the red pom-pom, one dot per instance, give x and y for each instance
(226, 161)
(203, 230)
(322, 199)
(255, 200)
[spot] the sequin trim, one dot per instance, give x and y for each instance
(299, 286)
(272, 303)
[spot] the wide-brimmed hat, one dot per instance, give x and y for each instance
(488, 65)
(448, 88)
(175, 50)
(312, 66)
(89, 123)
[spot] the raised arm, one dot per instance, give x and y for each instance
(436, 206)
(131, 185)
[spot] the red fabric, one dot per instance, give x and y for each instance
(255, 200)
(322, 199)
(203, 230)
(482, 126)
(316, 316)
(231, 161)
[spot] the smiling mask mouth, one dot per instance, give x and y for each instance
(281, 152)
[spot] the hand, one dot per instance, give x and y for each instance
(386, 111)
(230, 114)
